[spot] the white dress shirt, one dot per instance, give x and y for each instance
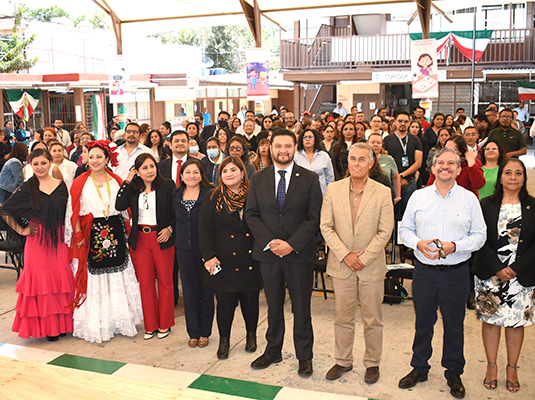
(147, 209)
(126, 161)
(455, 218)
(287, 176)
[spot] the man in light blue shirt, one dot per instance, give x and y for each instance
(523, 111)
(444, 225)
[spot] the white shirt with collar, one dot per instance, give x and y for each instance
(174, 164)
(239, 130)
(126, 161)
(287, 176)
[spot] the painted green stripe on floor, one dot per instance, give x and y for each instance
(236, 387)
(87, 364)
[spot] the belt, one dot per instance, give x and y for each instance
(443, 267)
(147, 229)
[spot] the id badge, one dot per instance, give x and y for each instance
(404, 161)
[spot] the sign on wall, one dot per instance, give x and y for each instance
(257, 74)
(424, 69)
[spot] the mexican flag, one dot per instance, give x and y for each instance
(463, 40)
(526, 90)
(23, 102)
(99, 126)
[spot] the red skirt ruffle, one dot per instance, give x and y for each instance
(46, 291)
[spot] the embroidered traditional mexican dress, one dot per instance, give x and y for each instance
(112, 304)
(46, 284)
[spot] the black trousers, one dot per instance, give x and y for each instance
(299, 278)
(226, 306)
(198, 299)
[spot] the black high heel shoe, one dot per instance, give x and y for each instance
(250, 345)
(224, 345)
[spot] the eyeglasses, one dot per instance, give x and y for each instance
(131, 131)
(308, 137)
(145, 201)
(235, 148)
(402, 121)
(506, 117)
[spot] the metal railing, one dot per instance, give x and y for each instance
(507, 47)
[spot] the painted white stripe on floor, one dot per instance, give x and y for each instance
(28, 353)
(292, 394)
(157, 375)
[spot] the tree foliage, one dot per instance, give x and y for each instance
(12, 50)
(224, 45)
(42, 14)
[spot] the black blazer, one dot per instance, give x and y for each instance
(487, 262)
(187, 225)
(165, 214)
(164, 166)
(297, 222)
(225, 235)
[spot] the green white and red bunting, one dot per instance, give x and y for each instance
(463, 40)
(99, 125)
(526, 91)
(23, 102)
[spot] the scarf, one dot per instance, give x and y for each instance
(234, 201)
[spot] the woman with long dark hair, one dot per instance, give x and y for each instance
(341, 150)
(150, 199)
(492, 156)
(107, 300)
(198, 299)
(505, 273)
(11, 176)
(46, 285)
(154, 141)
(263, 155)
(226, 246)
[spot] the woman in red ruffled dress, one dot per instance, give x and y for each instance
(46, 285)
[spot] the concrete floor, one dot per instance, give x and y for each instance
(173, 352)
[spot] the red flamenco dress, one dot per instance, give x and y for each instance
(46, 285)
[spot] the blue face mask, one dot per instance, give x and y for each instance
(193, 149)
(212, 153)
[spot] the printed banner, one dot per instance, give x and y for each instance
(257, 74)
(119, 81)
(23, 102)
(424, 69)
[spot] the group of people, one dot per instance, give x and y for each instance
(233, 213)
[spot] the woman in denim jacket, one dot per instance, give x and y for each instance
(11, 176)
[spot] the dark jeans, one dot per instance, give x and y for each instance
(406, 193)
(299, 279)
(198, 299)
(226, 306)
(449, 290)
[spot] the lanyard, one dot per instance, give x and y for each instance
(403, 146)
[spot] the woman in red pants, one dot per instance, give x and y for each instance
(150, 198)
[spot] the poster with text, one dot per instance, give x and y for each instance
(257, 74)
(424, 69)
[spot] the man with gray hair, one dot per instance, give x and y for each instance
(444, 225)
(356, 260)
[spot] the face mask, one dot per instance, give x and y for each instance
(212, 153)
(222, 124)
(194, 149)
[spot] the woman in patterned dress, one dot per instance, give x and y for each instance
(504, 269)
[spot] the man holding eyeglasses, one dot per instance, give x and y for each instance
(444, 225)
(128, 152)
(407, 152)
(509, 138)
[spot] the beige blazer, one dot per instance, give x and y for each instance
(374, 225)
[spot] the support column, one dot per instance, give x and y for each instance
(297, 98)
(79, 101)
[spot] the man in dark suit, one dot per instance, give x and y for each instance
(222, 122)
(282, 211)
(170, 169)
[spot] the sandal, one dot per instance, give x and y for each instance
(203, 341)
(490, 385)
(148, 335)
(193, 342)
(513, 387)
(163, 334)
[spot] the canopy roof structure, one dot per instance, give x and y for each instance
(224, 12)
